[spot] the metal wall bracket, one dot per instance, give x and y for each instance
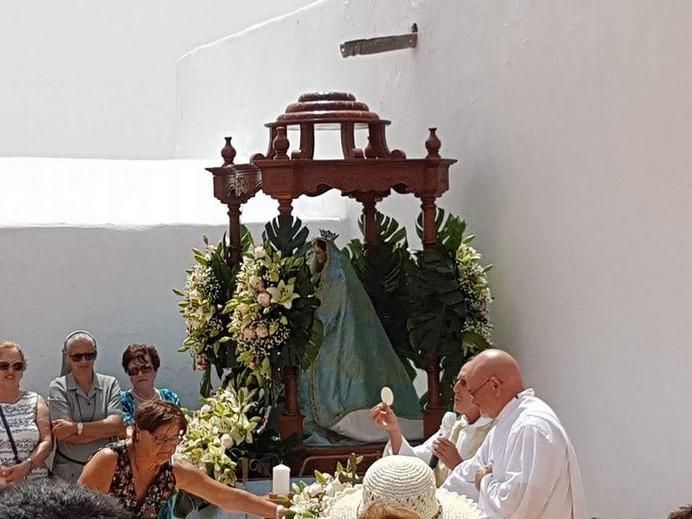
(380, 44)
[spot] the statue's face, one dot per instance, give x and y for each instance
(320, 255)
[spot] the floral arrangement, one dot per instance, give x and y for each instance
(272, 309)
(223, 423)
(259, 308)
(202, 303)
(209, 285)
(310, 501)
(473, 283)
(433, 301)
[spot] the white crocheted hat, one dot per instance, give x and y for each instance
(404, 481)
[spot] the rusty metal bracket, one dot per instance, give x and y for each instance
(380, 44)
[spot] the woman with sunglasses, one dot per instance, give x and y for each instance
(139, 472)
(141, 362)
(84, 407)
(25, 440)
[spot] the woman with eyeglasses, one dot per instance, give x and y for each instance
(25, 440)
(139, 472)
(141, 362)
(84, 407)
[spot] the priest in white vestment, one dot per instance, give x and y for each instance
(526, 467)
(451, 447)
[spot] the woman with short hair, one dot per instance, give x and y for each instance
(25, 439)
(138, 471)
(141, 362)
(84, 407)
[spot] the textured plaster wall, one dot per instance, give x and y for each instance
(571, 122)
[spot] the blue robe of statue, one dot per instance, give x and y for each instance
(356, 358)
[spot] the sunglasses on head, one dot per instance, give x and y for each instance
(78, 357)
(16, 366)
(133, 372)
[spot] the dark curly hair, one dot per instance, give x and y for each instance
(53, 499)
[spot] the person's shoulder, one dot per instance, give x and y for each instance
(169, 395)
(106, 378)
(544, 424)
(58, 383)
(107, 456)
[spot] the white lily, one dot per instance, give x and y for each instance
(283, 294)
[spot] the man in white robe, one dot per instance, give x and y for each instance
(467, 434)
(526, 467)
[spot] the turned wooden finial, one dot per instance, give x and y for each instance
(280, 144)
(433, 144)
(228, 152)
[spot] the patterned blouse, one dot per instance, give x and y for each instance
(21, 417)
(122, 487)
(129, 403)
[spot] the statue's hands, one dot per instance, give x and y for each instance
(384, 418)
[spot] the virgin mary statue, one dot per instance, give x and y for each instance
(355, 360)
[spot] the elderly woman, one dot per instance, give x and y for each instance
(141, 362)
(25, 440)
(138, 471)
(84, 407)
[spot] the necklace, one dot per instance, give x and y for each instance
(142, 399)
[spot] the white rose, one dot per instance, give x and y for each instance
(255, 282)
(315, 489)
(333, 487)
(227, 441)
(259, 252)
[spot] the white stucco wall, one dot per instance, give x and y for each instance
(571, 121)
(97, 79)
(100, 244)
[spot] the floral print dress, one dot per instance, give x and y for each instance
(122, 488)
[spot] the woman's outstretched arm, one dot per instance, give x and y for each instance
(192, 480)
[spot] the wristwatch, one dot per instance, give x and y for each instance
(80, 428)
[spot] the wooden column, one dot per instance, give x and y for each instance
(291, 421)
(429, 230)
(235, 248)
(370, 221)
(432, 415)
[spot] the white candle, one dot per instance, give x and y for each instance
(281, 480)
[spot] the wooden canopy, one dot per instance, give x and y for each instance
(366, 175)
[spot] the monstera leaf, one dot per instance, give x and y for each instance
(288, 235)
(383, 274)
(450, 230)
